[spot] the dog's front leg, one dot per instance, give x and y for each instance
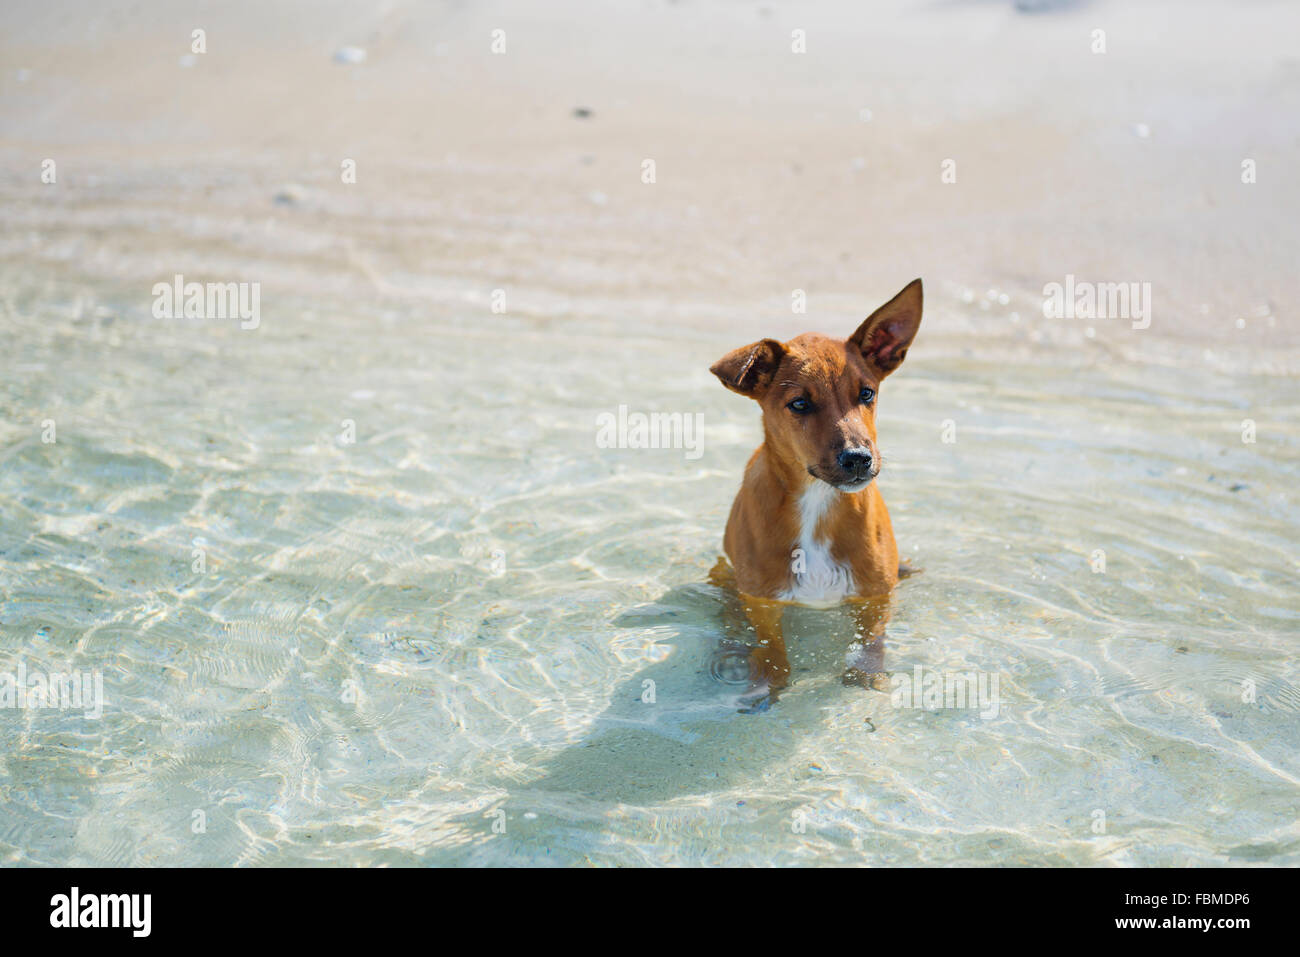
(769, 666)
(864, 664)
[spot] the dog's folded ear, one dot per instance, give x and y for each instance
(885, 335)
(749, 369)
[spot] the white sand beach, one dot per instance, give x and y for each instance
(775, 171)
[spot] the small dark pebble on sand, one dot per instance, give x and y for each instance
(582, 113)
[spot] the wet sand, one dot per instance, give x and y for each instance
(774, 171)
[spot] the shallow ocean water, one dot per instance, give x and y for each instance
(433, 644)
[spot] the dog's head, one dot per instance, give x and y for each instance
(819, 394)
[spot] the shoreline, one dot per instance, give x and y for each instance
(775, 173)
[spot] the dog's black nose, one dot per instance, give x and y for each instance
(855, 461)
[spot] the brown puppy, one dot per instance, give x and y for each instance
(809, 525)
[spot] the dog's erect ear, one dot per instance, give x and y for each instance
(885, 335)
(749, 369)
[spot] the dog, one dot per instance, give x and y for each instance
(809, 525)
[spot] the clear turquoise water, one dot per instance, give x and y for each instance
(431, 646)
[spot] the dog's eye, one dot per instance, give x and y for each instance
(799, 406)
(866, 395)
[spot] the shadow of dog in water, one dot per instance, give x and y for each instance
(700, 718)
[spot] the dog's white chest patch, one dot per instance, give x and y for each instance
(815, 577)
